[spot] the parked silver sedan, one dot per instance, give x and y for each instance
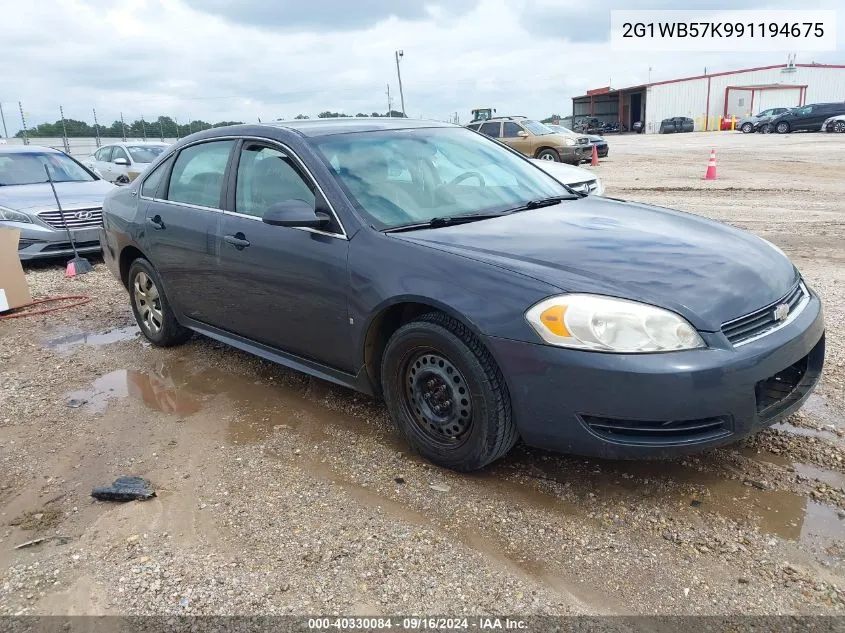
(121, 163)
(27, 202)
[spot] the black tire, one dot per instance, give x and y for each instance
(747, 128)
(548, 154)
(766, 129)
(153, 313)
(839, 126)
(471, 424)
(782, 128)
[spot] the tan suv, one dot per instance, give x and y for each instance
(535, 140)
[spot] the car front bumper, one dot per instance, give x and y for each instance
(575, 155)
(39, 242)
(624, 406)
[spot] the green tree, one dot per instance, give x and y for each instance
(301, 116)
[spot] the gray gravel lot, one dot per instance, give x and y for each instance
(281, 494)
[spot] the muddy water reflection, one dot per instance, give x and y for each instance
(67, 342)
(254, 408)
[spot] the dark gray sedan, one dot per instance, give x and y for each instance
(480, 297)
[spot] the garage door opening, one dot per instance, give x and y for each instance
(743, 101)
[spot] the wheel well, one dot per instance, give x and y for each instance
(127, 256)
(543, 149)
(382, 328)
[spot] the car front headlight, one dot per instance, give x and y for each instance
(568, 142)
(7, 215)
(606, 324)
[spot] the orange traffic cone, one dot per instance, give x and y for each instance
(711, 166)
(595, 159)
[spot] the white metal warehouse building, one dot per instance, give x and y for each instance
(705, 98)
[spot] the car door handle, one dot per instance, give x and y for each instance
(157, 222)
(238, 240)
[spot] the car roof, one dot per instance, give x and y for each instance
(28, 149)
(349, 125)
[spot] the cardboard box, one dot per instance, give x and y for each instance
(14, 291)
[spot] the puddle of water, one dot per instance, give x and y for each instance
(258, 407)
(818, 407)
(153, 390)
(95, 339)
(803, 431)
(829, 477)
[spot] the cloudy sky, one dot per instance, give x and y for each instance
(244, 59)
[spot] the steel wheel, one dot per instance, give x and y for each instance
(436, 398)
(148, 303)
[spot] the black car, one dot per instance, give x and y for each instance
(808, 118)
(481, 298)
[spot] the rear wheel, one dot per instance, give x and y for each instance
(151, 308)
(549, 154)
(446, 394)
(766, 129)
(747, 128)
(782, 127)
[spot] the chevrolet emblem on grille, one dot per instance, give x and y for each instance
(781, 312)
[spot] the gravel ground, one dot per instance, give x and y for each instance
(281, 494)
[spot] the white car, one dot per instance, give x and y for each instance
(121, 163)
(577, 178)
(834, 124)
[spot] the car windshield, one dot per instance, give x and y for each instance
(27, 168)
(145, 153)
(536, 128)
(406, 177)
(561, 129)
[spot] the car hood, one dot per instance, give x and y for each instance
(595, 138)
(706, 271)
(39, 197)
(567, 174)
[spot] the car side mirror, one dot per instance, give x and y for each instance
(121, 161)
(522, 134)
(295, 213)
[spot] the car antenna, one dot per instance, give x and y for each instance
(78, 265)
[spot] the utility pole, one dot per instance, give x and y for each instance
(23, 123)
(96, 127)
(3, 116)
(161, 129)
(123, 127)
(400, 54)
(144, 128)
(389, 102)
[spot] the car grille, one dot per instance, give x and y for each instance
(588, 186)
(655, 433)
(76, 218)
(66, 246)
(763, 321)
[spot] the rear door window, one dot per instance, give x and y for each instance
(197, 176)
(492, 129)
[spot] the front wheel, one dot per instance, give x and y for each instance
(549, 154)
(446, 394)
(151, 309)
(782, 127)
(747, 128)
(839, 126)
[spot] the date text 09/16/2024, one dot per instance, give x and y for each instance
(416, 623)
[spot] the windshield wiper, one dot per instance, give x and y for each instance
(547, 202)
(448, 220)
